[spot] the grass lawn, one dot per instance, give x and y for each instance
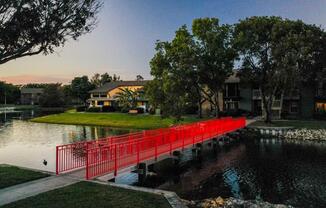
(117, 120)
(11, 175)
(308, 124)
(87, 194)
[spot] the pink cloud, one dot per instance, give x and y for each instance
(25, 79)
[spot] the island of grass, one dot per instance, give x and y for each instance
(11, 175)
(88, 195)
(115, 120)
(298, 124)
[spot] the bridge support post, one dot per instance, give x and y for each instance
(142, 172)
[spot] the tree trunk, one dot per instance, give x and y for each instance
(267, 107)
(200, 109)
(216, 106)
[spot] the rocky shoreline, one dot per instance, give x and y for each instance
(289, 134)
(219, 202)
(306, 134)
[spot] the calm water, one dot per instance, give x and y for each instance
(274, 171)
(27, 144)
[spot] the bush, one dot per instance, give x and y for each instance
(320, 115)
(81, 109)
(108, 109)
(140, 110)
(191, 109)
(94, 109)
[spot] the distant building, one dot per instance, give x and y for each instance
(296, 103)
(30, 96)
(106, 95)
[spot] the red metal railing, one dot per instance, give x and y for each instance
(114, 153)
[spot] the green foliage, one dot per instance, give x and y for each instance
(32, 27)
(278, 54)
(80, 86)
(215, 56)
(52, 96)
(94, 109)
(127, 99)
(191, 68)
(100, 79)
(9, 93)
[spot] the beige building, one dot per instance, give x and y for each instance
(106, 95)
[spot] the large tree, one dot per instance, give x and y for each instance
(9, 93)
(278, 55)
(53, 96)
(30, 27)
(80, 87)
(215, 56)
(172, 68)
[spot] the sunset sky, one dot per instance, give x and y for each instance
(123, 42)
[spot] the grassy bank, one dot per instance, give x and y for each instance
(299, 124)
(117, 120)
(86, 194)
(10, 175)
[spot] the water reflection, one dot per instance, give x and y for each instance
(275, 171)
(27, 144)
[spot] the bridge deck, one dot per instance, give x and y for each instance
(113, 154)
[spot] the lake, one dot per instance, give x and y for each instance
(276, 171)
(27, 144)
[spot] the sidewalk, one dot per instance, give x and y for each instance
(24, 190)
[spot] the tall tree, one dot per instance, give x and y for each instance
(38, 26)
(9, 93)
(80, 86)
(172, 68)
(53, 96)
(278, 55)
(215, 56)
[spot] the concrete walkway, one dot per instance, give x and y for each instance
(32, 188)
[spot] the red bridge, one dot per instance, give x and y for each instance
(111, 154)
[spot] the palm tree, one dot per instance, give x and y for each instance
(127, 98)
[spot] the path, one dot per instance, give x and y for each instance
(32, 188)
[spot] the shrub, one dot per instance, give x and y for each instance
(108, 109)
(140, 110)
(94, 109)
(80, 108)
(320, 115)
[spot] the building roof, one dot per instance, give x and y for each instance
(112, 85)
(31, 90)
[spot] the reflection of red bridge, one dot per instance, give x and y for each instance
(114, 153)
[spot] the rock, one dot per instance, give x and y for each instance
(219, 202)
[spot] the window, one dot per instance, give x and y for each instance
(294, 107)
(321, 106)
(232, 90)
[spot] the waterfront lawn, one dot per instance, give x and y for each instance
(88, 195)
(117, 120)
(11, 175)
(300, 124)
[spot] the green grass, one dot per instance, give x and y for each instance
(308, 124)
(117, 120)
(88, 195)
(10, 175)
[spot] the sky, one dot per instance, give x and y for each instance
(123, 41)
